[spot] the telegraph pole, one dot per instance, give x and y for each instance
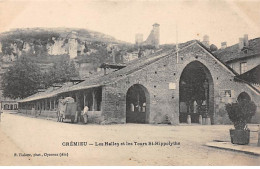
(177, 46)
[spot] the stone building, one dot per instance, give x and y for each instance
(242, 56)
(8, 104)
(159, 88)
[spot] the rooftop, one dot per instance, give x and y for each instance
(101, 80)
(233, 52)
(251, 76)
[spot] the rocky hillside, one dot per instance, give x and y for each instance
(46, 45)
(53, 41)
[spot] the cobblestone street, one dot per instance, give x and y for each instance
(21, 137)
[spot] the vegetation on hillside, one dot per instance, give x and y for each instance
(24, 78)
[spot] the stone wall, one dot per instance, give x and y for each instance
(42, 113)
(164, 101)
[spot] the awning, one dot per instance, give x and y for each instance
(54, 93)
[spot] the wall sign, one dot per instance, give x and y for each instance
(172, 86)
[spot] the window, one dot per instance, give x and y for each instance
(231, 65)
(243, 67)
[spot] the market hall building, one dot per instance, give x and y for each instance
(168, 86)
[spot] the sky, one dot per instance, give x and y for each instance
(221, 20)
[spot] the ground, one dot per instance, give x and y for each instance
(21, 134)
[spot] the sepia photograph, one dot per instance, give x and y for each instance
(129, 83)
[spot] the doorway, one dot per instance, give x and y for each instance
(137, 104)
(196, 93)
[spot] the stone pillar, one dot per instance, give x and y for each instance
(78, 101)
(54, 103)
(50, 105)
(203, 121)
(200, 119)
(188, 119)
(208, 121)
(45, 106)
(94, 100)
(84, 98)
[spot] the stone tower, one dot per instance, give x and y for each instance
(154, 37)
(156, 32)
(73, 45)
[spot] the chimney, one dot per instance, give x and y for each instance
(246, 43)
(206, 41)
(241, 43)
(223, 45)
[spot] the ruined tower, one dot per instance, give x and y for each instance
(156, 32)
(154, 37)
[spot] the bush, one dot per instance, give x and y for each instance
(240, 113)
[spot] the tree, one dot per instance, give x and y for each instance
(21, 79)
(61, 71)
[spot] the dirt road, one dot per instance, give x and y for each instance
(132, 144)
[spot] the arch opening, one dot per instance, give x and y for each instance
(137, 104)
(196, 93)
(6, 107)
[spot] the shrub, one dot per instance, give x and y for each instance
(240, 113)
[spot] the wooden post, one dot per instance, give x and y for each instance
(50, 104)
(46, 105)
(93, 97)
(77, 101)
(84, 98)
(54, 103)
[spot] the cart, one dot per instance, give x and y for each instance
(67, 110)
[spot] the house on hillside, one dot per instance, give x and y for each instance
(242, 56)
(167, 86)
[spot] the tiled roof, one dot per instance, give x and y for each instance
(101, 80)
(50, 92)
(130, 68)
(233, 52)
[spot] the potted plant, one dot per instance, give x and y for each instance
(240, 113)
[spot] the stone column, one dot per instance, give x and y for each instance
(94, 100)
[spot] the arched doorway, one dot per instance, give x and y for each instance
(243, 96)
(6, 107)
(196, 93)
(137, 104)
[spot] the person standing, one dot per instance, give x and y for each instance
(85, 115)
